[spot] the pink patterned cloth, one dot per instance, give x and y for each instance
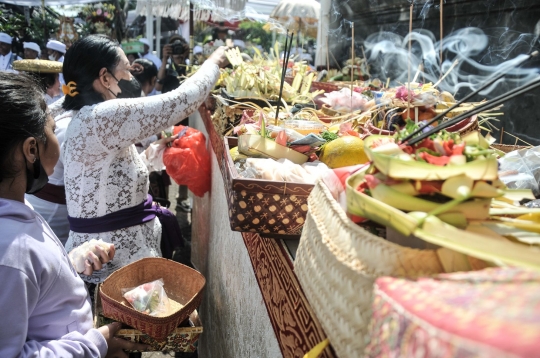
(489, 313)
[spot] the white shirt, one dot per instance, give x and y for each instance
(61, 76)
(154, 59)
(4, 62)
(104, 173)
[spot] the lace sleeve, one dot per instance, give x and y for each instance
(120, 123)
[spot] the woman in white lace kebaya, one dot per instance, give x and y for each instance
(104, 174)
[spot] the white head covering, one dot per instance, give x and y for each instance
(197, 49)
(56, 46)
(5, 38)
(145, 41)
(32, 46)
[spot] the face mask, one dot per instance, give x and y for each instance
(37, 180)
(129, 89)
(52, 58)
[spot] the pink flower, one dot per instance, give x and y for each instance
(402, 93)
(106, 14)
(98, 11)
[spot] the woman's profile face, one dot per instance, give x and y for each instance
(121, 71)
(50, 153)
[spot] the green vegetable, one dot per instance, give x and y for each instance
(329, 136)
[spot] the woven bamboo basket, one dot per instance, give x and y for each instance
(337, 263)
(182, 284)
(506, 148)
(184, 338)
(270, 208)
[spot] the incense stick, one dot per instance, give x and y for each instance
(365, 59)
(442, 36)
(352, 64)
(420, 69)
(327, 57)
(502, 134)
(286, 55)
(483, 107)
(454, 64)
(457, 104)
(410, 59)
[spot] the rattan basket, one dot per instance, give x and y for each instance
(181, 283)
(507, 148)
(337, 263)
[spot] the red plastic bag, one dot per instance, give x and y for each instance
(188, 161)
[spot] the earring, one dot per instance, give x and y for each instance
(34, 160)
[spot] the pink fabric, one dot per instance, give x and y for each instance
(489, 313)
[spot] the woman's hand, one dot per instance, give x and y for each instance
(117, 346)
(159, 145)
(94, 261)
(219, 57)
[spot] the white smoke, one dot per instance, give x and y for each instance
(388, 55)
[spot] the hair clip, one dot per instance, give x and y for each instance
(70, 89)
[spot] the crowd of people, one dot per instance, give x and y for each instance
(75, 168)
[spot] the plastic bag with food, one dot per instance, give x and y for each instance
(520, 169)
(79, 254)
(149, 298)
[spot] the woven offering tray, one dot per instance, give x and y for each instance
(183, 339)
(181, 284)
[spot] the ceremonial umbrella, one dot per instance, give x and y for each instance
(298, 15)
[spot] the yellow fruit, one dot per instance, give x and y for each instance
(344, 152)
(236, 155)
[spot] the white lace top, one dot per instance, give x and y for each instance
(104, 173)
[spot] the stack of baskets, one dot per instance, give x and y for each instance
(181, 283)
(337, 263)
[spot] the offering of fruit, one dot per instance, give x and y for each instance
(343, 152)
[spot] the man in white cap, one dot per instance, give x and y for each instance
(146, 54)
(6, 56)
(56, 51)
(31, 51)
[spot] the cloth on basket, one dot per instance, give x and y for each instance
(489, 313)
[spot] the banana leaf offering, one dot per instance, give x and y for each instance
(443, 190)
(440, 157)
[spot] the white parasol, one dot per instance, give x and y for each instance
(298, 15)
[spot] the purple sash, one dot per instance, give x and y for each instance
(120, 219)
(171, 236)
